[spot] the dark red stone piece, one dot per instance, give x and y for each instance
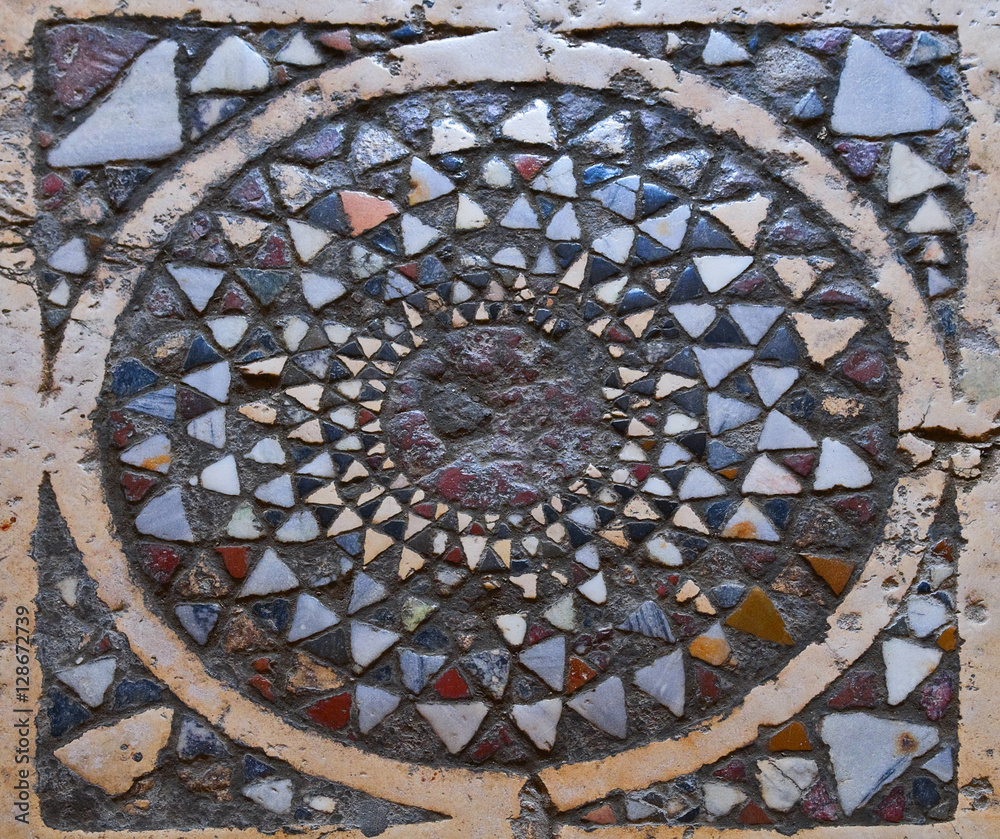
(85, 59)
(754, 558)
(709, 687)
(494, 740)
(452, 685)
(163, 303)
(801, 464)
(843, 294)
(191, 404)
(234, 301)
(198, 227)
(528, 165)
(747, 284)
(121, 429)
(158, 561)
(485, 749)
(524, 497)
(819, 804)
(334, 712)
(859, 507)
(684, 624)
(53, 191)
(617, 333)
(860, 156)
(536, 632)
(735, 770)
(641, 471)
(214, 251)
(135, 486)
(876, 442)
(273, 253)
(893, 806)
(936, 695)
(858, 690)
(251, 193)
(865, 367)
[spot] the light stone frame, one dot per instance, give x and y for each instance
(46, 426)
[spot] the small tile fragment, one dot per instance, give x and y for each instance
(877, 97)
(868, 752)
(603, 706)
(758, 616)
(135, 742)
(233, 65)
(455, 724)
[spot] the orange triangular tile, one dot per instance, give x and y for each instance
(758, 616)
(835, 572)
(711, 647)
(792, 738)
(579, 674)
(753, 814)
(602, 815)
(365, 211)
(948, 639)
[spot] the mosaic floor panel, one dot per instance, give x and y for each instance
(554, 416)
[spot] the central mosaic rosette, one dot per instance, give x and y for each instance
(482, 421)
(477, 407)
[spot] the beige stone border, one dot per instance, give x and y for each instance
(978, 825)
(54, 435)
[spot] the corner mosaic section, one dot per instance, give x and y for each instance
(117, 750)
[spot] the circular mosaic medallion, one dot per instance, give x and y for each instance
(509, 428)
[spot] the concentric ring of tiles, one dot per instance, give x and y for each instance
(542, 405)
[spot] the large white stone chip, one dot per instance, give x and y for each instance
(234, 65)
(139, 121)
(878, 98)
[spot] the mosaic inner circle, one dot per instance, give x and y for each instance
(495, 417)
(499, 427)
